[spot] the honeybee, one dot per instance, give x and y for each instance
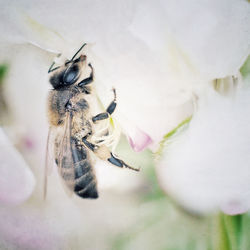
(72, 134)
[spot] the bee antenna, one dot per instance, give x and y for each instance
(78, 51)
(52, 65)
(50, 68)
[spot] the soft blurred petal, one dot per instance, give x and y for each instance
(28, 230)
(207, 167)
(213, 34)
(201, 30)
(16, 180)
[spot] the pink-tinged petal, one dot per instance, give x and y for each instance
(29, 143)
(139, 140)
(28, 230)
(137, 137)
(16, 180)
(234, 207)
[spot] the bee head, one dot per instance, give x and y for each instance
(68, 73)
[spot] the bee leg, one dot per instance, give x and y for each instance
(88, 79)
(90, 145)
(101, 116)
(110, 109)
(118, 162)
(103, 153)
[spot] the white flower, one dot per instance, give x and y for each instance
(206, 167)
(159, 55)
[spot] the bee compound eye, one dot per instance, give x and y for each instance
(71, 75)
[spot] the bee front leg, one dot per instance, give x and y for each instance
(87, 80)
(103, 153)
(110, 109)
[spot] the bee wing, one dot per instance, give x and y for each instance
(49, 157)
(64, 155)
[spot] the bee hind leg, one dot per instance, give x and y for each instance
(103, 153)
(118, 162)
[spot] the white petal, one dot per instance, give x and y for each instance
(207, 167)
(215, 35)
(16, 180)
(54, 25)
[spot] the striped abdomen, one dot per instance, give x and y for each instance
(84, 184)
(85, 180)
